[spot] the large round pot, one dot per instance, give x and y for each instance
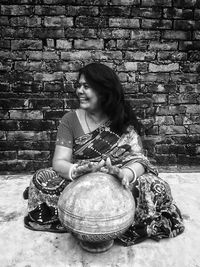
(96, 208)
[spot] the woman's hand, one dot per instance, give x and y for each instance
(80, 170)
(124, 175)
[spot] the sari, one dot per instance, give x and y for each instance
(156, 214)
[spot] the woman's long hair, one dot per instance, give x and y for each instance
(105, 82)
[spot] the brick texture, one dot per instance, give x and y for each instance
(153, 45)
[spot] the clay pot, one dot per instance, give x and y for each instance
(96, 208)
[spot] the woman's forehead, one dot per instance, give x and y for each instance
(82, 78)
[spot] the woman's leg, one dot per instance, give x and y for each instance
(43, 194)
(156, 214)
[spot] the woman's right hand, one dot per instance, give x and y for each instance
(84, 168)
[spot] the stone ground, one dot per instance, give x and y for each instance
(21, 247)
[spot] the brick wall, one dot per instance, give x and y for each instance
(154, 45)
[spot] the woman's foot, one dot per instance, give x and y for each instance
(54, 227)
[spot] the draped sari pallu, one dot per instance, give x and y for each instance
(156, 215)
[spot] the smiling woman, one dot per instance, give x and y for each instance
(102, 136)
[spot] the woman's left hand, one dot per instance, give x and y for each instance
(120, 173)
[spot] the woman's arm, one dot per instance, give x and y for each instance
(62, 161)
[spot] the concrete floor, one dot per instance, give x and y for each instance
(24, 248)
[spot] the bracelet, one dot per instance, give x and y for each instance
(71, 169)
(133, 172)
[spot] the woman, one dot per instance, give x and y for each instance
(102, 135)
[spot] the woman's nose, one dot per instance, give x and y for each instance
(81, 88)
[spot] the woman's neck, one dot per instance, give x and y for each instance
(94, 119)
(96, 116)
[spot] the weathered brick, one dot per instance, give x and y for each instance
(164, 120)
(183, 98)
(45, 103)
(26, 115)
(59, 2)
(93, 22)
(63, 44)
(154, 77)
(53, 114)
(48, 32)
(189, 88)
(197, 35)
(4, 20)
(148, 12)
(139, 34)
(161, 88)
(4, 55)
(163, 68)
(8, 155)
(189, 45)
(5, 66)
(82, 10)
(60, 21)
(114, 33)
(17, 32)
(197, 14)
(107, 55)
(185, 77)
(140, 56)
(171, 110)
(124, 23)
(176, 35)
(76, 55)
(156, 24)
(80, 33)
(132, 44)
(26, 45)
(178, 13)
(188, 160)
(5, 44)
(28, 136)
(172, 129)
(16, 10)
(46, 11)
(40, 55)
(93, 2)
(190, 67)
(48, 77)
(192, 109)
(33, 154)
(156, 3)
(28, 66)
(122, 11)
(185, 3)
(185, 25)
(89, 44)
(157, 45)
(9, 125)
(172, 56)
(165, 160)
(159, 98)
(34, 21)
(194, 56)
(124, 2)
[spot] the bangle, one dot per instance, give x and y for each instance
(71, 169)
(133, 172)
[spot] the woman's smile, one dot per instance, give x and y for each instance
(87, 96)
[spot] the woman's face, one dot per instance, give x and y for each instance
(88, 98)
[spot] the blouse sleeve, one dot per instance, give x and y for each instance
(65, 133)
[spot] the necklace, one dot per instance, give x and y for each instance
(96, 123)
